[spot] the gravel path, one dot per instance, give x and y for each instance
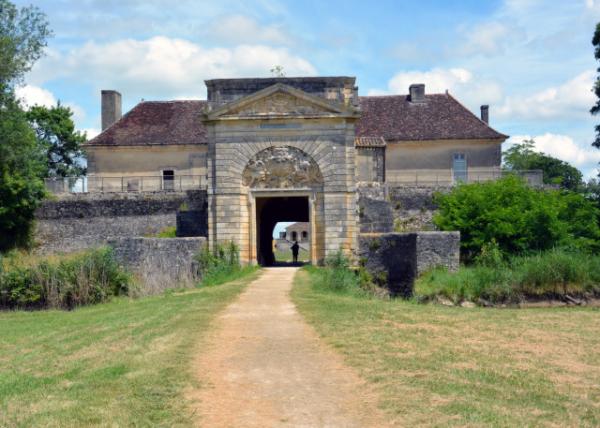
(264, 366)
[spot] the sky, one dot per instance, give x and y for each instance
(531, 60)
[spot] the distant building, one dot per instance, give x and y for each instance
(297, 232)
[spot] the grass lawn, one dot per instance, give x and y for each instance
(123, 363)
(443, 366)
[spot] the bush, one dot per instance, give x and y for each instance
(337, 276)
(554, 273)
(61, 281)
(519, 218)
(167, 232)
(221, 265)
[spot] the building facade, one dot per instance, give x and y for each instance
(289, 149)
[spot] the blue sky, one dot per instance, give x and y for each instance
(531, 60)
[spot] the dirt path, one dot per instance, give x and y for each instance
(266, 367)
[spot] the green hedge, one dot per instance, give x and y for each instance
(555, 273)
(30, 282)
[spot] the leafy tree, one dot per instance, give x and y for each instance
(522, 157)
(596, 108)
(23, 34)
(518, 218)
(60, 141)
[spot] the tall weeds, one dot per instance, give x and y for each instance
(555, 273)
(32, 282)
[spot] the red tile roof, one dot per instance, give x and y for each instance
(438, 117)
(156, 123)
(393, 118)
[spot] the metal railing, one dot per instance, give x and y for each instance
(113, 184)
(432, 177)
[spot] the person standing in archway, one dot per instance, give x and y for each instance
(295, 248)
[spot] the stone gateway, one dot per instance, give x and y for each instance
(289, 149)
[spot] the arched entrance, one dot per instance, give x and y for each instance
(269, 211)
(283, 184)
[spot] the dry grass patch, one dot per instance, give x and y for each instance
(437, 366)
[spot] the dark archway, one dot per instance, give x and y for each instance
(269, 212)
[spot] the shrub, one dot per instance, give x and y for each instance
(519, 218)
(221, 265)
(167, 232)
(554, 273)
(337, 276)
(61, 281)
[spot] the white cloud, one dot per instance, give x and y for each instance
(570, 99)
(164, 67)
(32, 95)
(236, 29)
(488, 38)
(458, 81)
(582, 156)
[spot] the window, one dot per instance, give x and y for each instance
(168, 176)
(459, 167)
(304, 234)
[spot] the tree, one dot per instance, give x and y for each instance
(519, 218)
(58, 138)
(522, 157)
(596, 108)
(23, 34)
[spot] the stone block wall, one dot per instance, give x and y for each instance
(74, 222)
(395, 260)
(159, 263)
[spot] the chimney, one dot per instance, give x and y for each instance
(485, 113)
(111, 108)
(417, 92)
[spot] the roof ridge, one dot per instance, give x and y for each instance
(450, 96)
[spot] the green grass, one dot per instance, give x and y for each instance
(122, 363)
(553, 273)
(439, 366)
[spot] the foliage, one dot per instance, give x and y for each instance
(167, 232)
(57, 137)
(520, 219)
(221, 265)
(61, 282)
(23, 34)
(21, 169)
(337, 277)
(522, 157)
(554, 273)
(596, 108)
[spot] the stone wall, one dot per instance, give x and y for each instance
(159, 263)
(385, 208)
(395, 260)
(74, 222)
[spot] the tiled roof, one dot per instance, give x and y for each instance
(156, 123)
(393, 118)
(438, 117)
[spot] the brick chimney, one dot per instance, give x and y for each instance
(485, 113)
(111, 108)
(417, 92)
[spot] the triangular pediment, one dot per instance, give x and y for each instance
(280, 100)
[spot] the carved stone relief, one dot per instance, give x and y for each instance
(281, 168)
(278, 104)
